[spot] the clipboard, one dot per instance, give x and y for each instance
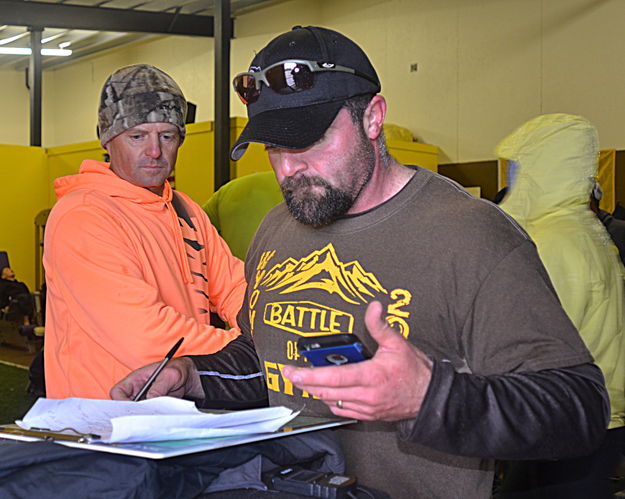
(167, 448)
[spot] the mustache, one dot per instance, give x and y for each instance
(291, 184)
(153, 163)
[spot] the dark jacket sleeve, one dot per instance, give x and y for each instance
(554, 413)
(232, 378)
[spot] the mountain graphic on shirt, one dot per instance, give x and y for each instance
(323, 270)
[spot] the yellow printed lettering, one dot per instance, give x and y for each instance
(277, 382)
(273, 378)
(288, 386)
(275, 314)
(289, 316)
(300, 318)
(402, 297)
(400, 323)
(254, 298)
(335, 326)
(322, 320)
(291, 350)
(264, 259)
(313, 317)
(252, 316)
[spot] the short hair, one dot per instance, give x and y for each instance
(356, 107)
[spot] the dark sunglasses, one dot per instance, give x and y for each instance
(286, 77)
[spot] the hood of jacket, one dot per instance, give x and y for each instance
(557, 164)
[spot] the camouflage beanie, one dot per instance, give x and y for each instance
(139, 94)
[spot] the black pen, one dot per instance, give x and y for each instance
(158, 369)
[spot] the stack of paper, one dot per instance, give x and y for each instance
(161, 418)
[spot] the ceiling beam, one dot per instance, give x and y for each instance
(54, 15)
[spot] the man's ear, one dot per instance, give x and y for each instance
(374, 117)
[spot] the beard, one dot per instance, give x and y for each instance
(314, 201)
(311, 207)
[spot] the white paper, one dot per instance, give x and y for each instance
(161, 418)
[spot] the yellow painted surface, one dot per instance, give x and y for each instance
(14, 126)
(414, 153)
(65, 160)
(194, 173)
(23, 170)
(255, 158)
(606, 179)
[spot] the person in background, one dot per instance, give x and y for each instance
(237, 208)
(132, 266)
(614, 226)
(557, 159)
(15, 296)
(474, 358)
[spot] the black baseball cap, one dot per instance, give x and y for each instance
(298, 120)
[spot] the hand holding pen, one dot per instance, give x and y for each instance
(159, 368)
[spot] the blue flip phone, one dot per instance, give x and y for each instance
(333, 349)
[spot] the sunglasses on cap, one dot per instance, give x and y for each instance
(286, 77)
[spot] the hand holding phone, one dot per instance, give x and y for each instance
(369, 391)
(333, 349)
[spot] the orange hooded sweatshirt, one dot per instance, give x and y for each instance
(126, 278)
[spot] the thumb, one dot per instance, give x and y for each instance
(378, 328)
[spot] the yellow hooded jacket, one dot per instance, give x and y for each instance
(557, 164)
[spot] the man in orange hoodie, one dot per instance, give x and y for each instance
(132, 266)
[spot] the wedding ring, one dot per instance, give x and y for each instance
(339, 404)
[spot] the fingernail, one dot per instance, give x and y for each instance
(288, 372)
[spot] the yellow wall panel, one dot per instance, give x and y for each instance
(414, 153)
(606, 175)
(194, 173)
(23, 172)
(66, 160)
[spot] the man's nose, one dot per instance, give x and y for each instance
(287, 163)
(153, 146)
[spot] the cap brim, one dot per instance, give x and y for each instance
(288, 128)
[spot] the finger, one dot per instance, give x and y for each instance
(121, 391)
(379, 329)
(125, 389)
(330, 376)
(353, 398)
(169, 382)
(350, 410)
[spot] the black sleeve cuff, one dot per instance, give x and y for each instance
(232, 378)
(555, 413)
